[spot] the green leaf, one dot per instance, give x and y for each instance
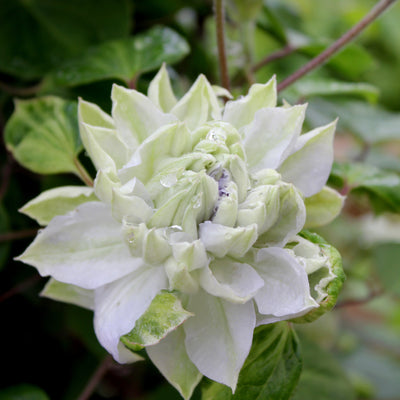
(322, 377)
(37, 35)
(123, 59)
(382, 187)
(23, 392)
(43, 135)
(333, 287)
(371, 124)
(57, 201)
(4, 227)
(164, 315)
(271, 370)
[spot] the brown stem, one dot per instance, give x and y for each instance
(220, 22)
(336, 46)
(132, 83)
(276, 55)
(7, 237)
(358, 302)
(21, 287)
(96, 378)
(82, 173)
(20, 92)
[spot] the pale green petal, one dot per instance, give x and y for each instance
(227, 206)
(223, 240)
(241, 112)
(311, 162)
(164, 315)
(57, 201)
(193, 254)
(218, 338)
(221, 92)
(291, 219)
(323, 207)
(286, 292)
(92, 114)
(135, 115)
(84, 247)
(104, 184)
(230, 280)
(179, 277)
(199, 105)
(68, 293)
(130, 206)
(238, 170)
(120, 304)
(271, 137)
(171, 358)
(160, 91)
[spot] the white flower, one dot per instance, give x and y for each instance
(189, 239)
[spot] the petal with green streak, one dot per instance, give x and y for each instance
(323, 207)
(219, 336)
(193, 254)
(160, 91)
(327, 280)
(68, 293)
(57, 201)
(241, 112)
(271, 137)
(171, 358)
(179, 277)
(135, 115)
(198, 105)
(164, 315)
(105, 182)
(230, 280)
(92, 114)
(310, 163)
(121, 303)
(290, 221)
(222, 240)
(226, 207)
(286, 291)
(85, 247)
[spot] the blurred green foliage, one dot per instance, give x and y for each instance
(72, 48)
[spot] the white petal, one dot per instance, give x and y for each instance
(104, 184)
(119, 304)
(309, 166)
(270, 138)
(286, 292)
(68, 294)
(230, 280)
(92, 114)
(160, 90)
(223, 240)
(219, 336)
(135, 115)
(241, 112)
(171, 358)
(84, 247)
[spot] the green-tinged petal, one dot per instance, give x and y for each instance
(286, 292)
(198, 105)
(291, 219)
(58, 201)
(135, 116)
(325, 282)
(105, 183)
(164, 315)
(84, 247)
(120, 304)
(238, 170)
(230, 280)
(218, 338)
(160, 91)
(179, 277)
(130, 206)
(92, 114)
(310, 163)
(221, 92)
(272, 135)
(241, 112)
(171, 358)
(104, 147)
(68, 293)
(223, 240)
(193, 254)
(169, 141)
(323, 207)
(227, 206)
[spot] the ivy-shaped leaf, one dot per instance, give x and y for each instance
(23, 392)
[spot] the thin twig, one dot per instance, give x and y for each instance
(220, 22)
(96, 378)
(19, 91)
(358, 302)
(336, 46)
(21, 287)
(9, 236)
(276, 55)
(82, 173)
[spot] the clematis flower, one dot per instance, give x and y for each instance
(191, 236)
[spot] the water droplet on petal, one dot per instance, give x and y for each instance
(168, 180)
(197, 200)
